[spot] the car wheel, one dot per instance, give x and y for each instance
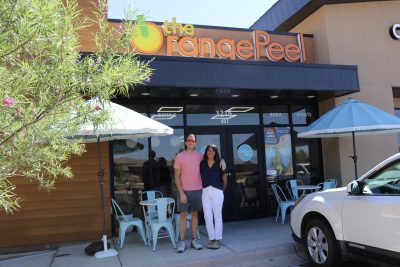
(320, 244)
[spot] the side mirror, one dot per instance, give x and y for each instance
(355, 188)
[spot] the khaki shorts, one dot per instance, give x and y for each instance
(193, 201)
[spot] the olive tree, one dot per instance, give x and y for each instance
(45, 80)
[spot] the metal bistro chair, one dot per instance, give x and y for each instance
(149, 212)
(283, 202)
(150, 195)
(334, 181)
(291, 186)
(326, 185)
(125, 222)
(165, 214)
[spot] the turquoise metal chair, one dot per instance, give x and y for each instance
(149, 212)
(125, 222)
(283, 202)
(291, 186)
(177, 218)
(150, 195)
(327, 185)
(334, 181)
(165, 215)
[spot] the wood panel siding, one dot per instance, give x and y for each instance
(71, 212)
(87, 43)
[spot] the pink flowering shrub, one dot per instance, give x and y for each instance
(8, 102)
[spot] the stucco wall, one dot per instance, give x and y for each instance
(358, 34)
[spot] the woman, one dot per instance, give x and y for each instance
(214, 183)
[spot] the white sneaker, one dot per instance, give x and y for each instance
(181, 246)
(196, 245)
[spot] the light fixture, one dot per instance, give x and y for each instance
(274, 96)
(239, 109)
(310, 96)
(145, 93)
(223, 117)
(235, 95)
(170, 109)
(159, 117)
(194, 95)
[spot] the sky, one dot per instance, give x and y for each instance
(225, 13)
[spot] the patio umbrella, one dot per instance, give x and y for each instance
(124, 124)
(348, 118)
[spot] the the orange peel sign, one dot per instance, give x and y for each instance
(180, 38)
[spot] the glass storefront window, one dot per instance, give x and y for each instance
(207, 115)
(171, 115)
(275, 114)
(306, 159)
(166, 148)
(278, 152)
(128, 157)
(303, 114)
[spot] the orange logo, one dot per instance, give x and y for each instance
(148, 37)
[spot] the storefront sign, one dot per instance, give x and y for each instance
(224, 116)
(179, 39)
(394, 31)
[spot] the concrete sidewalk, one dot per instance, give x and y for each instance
(260, 242)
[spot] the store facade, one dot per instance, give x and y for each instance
(249, 91)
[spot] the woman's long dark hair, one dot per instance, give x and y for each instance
(213, 147)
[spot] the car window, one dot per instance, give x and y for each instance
(386, 181)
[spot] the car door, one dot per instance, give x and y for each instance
(371, 221)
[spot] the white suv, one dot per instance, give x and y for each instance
(362, 219)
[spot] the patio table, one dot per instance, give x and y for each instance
(308, 187)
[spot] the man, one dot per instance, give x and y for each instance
(189, 185)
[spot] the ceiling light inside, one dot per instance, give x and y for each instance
(194, 95)
(239, 109)
(235, 95)
(310, 96)
(170, 109)
(274, 96)
(145, 93)
(159, 117)
(223, 117)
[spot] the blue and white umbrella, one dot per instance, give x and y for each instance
(350, 117)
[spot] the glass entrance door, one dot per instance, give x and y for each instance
(241, 149)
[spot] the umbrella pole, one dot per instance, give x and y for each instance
(106, 252)
(354, 157)
(100, 175)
